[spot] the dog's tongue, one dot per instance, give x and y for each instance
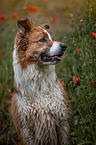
(51, 58)
(56, 57)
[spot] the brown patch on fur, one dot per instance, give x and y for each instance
(16, 90)
(24, 25)
(64, 94)
(15, 115)
(30, 47)
(44, 26)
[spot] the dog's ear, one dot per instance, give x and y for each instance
(44, 26)
(24, 25)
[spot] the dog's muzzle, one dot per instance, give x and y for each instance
(63, 46)
(53, 54)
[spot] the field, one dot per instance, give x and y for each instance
(77, 72)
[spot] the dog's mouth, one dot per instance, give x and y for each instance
(45, 59)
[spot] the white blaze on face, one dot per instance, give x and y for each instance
(48, 34)
(55, 47)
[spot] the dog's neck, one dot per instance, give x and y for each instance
(35, 80)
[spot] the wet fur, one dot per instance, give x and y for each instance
(40, 107)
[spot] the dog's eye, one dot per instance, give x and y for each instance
(43, 40)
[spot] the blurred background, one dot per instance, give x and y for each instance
(61, 11)
(74, 23)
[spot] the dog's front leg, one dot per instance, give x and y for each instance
(26, 135)
(63, 133)
(21, 124)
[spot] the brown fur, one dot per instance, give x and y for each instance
(30, 42)
(64, 94)
(14, 111)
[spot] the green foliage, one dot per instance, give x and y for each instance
(90, 14)
(7, 131)
(81, 64)
(82, 97)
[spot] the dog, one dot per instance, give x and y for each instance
(40, 107)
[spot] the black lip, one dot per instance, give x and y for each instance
(46, 54)
(50, 59)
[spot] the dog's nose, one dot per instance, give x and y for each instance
(63, 46)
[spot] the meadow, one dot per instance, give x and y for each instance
(77, 73)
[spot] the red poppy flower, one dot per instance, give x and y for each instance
(54, 20)
(14, 16)
(8, 101)
(93, 34)
(79, 49)
(35, 10)
(31, 8)
(63, 83)
(10, 95)
(94, 85)
(3, 17)
(2, 53)
(56, 40)
(76, 80)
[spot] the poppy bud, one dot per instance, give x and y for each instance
(76, 80)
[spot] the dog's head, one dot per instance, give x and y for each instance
(35, 45)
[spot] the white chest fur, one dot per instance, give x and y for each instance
(35, 80)
(40, 100)
(36, 83)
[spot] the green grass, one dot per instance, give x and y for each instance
(74, 63)
(83, 96)
(8, 135)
